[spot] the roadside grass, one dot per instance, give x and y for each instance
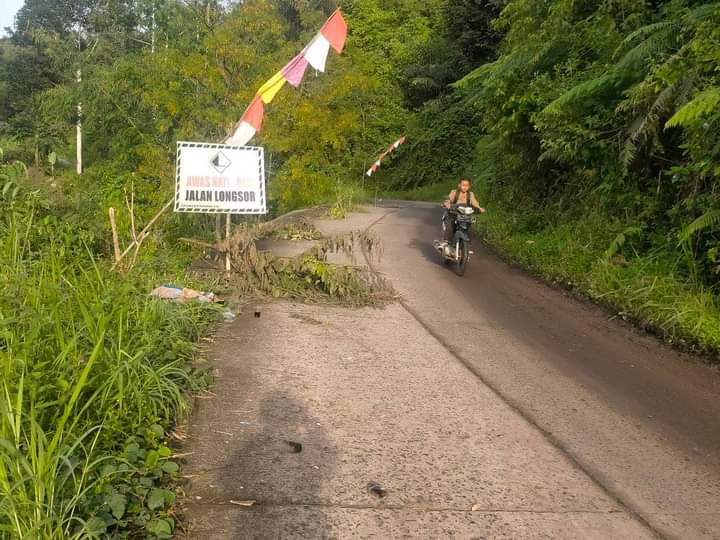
(647, 288)
(93, 376)
(89, 366)
(347, 196)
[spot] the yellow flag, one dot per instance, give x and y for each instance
(268, 90)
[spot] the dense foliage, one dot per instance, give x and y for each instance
(158, 71)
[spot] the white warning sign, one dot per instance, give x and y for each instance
(218, 178)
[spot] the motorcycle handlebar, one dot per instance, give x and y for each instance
(455, 207)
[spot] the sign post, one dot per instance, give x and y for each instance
(220, 179)
(228, 222)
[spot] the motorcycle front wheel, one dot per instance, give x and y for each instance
(462, 258)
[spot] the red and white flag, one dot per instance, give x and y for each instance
(394, 146)
(332, 34)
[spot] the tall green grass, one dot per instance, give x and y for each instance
(93, 373)
(644, 285)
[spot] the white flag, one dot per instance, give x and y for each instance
(317, 51)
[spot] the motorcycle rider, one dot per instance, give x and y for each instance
(461, 196)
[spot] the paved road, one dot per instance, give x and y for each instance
(489, 406)
(641, 420)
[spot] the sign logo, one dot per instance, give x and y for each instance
(221, 162)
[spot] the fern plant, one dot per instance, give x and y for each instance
(708, 220)
(620, 240)
(701, 105)
(647, 126)
(655, 40)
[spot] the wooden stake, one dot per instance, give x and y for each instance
(218, 228)
(131, 208)
(79, 128)
(144, 233)
(116, 239)
(228, 221)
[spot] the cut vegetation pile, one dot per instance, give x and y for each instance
(309, 277)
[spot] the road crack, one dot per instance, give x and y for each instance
(412, 508)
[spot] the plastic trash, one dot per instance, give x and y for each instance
(180, 294)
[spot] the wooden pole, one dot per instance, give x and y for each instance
(228, 222)
(131, 208)
(79, 130)
(116, 239)
(363, 176)
(218, 228)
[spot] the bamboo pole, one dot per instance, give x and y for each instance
(116, 239)
(218, 228)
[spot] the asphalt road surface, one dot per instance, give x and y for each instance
(642, 420)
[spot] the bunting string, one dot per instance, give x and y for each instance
(394, 146)
(332, 34)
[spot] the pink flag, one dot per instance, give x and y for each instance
(335, 31)
(294, 71)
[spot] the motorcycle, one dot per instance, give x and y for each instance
(457, 251)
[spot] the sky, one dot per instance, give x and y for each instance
(8, 9)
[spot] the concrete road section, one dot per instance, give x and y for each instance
(488, 406)
(640, 418)
(371, 397)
